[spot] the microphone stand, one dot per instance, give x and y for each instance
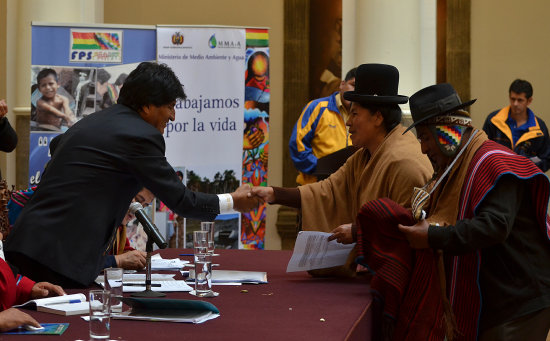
(148, 292)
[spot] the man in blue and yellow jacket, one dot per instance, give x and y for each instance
(321, 130)
(517, 127)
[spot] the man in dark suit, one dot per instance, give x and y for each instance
(66, 229)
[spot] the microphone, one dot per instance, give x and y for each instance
(148, 226)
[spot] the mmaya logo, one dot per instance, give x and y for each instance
(212, 42)
(177, 38)
(223, 44)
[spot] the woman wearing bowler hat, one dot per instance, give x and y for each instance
(380, 168)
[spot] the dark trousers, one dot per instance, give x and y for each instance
(532, 327)
(39, 273)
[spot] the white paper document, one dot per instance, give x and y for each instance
(234, 277)
(313, 251)
(139, 278)
(136, 283)
(165, 286)
(159, 263)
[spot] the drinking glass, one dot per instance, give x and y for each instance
(113, 282)
(203, 264)
(200, 242)
(100, 314)
(203, 275)
(209, 226)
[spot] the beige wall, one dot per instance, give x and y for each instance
(247, 13)
(406, 41)
(509, 41)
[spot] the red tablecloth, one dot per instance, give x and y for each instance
(289, 307)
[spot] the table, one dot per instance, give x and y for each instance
(289, 307)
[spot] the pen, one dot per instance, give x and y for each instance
(186, 254)
(140, 284)
(65, 302)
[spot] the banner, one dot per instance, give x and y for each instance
(75, 72)
(256, 132)
(220, 136)
(206, 136)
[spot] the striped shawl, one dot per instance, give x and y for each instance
(405, 284)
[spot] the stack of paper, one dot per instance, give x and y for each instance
(160, 282)
(159, 263)
(162, 286)
(233, 276)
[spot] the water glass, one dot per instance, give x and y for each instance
(200, 242)
(209, 226)
(100, 314)
(113, 282)
(203, 275)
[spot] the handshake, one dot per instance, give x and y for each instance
(246, 198)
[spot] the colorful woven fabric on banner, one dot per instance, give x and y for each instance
(256, 132)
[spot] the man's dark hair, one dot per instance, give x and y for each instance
(45, 73)
(350, 74)
(150, 83)
(391, 113)
(103, 76)
(520, 86)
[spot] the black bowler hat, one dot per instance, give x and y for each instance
(436, 100)
(376, 84)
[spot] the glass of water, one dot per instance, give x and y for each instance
(100, 314)
(200, 242)
(209, 226)
(203, 264)
(203, 275)
(113, 283)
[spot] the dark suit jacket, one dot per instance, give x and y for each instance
(8, 137)
(98, 166)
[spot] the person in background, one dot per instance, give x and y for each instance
(18, 200)
(176, 240)
(518, 128)
(321, 130)
(122, 255)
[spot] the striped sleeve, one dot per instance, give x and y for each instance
(300, 147)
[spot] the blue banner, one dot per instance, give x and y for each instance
(77, 71)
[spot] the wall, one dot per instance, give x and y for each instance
(248, 13)
(509, 40)
(400, 33)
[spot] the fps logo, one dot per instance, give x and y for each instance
(177, 38)
(95, 46)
